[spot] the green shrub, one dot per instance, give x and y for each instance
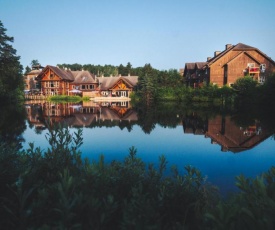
(57, 189)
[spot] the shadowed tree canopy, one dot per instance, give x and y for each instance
(11, 80)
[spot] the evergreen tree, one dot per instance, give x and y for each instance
(11, 79)
(27, 69)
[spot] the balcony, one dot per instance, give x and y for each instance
(252, 70)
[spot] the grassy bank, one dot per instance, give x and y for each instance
(60, 98)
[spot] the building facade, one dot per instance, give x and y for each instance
(226, 67)
(58, 81)
(31, 83)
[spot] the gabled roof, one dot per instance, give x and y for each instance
(132, 80)
(108, 82)
(63, 74)
(34, 72)
(200, 65)
(241, 46)
(212, 60)
(242, 53)
(189, 66)
(83, 77)
(238, 47)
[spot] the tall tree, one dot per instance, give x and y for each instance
(27, 69)
(11, 79)
(35, 62)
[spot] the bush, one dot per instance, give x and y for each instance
(57, 189)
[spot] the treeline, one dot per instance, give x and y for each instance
(57, 189)
(159, 77)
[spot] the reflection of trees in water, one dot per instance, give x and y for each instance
(165, 115)
(12, 124)
(125, 124)
(146, 118)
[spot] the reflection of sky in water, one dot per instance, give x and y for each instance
(179, 149)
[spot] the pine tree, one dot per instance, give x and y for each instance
(11, 79)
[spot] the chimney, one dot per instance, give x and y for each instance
(208, 58)
(227, 46)
(216, 53)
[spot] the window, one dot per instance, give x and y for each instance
(91, 86)
(262, 68)
(82, 86)
(250, 65)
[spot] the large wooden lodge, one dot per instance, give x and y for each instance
(226, 67)
(59, 81)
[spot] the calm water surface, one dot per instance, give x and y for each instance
(221, 145)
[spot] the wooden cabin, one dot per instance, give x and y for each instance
(226, 67)
(57, 81)
(120, 86)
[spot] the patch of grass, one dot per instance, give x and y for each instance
(60, 98)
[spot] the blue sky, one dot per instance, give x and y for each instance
(164, 33)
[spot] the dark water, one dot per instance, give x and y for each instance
(222, 144)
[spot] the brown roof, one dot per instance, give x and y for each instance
(241, 46)
(108, 82)
(83, 77)
(34, 72)
(200, 65)
(63, 74)
(238, 47)
(76, 76)
(189, 66)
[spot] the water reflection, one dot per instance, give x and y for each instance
(223, 130)
(12, 124)
(86, 114)
(232, 132)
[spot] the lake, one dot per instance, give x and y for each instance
(222, 144)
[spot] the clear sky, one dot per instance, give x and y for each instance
(164, 33)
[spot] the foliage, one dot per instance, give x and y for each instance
(11, 80)
(252, 208)
(58, 190)
(27, 70)
(35, 62)
(66, 98)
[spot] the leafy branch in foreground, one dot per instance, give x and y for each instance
(57, 189)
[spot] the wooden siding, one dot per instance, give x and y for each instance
(229, 65)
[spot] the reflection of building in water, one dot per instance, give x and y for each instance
(79, 115)
(34, 115)
(223, 131)
(193, 124)
(117, 111)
